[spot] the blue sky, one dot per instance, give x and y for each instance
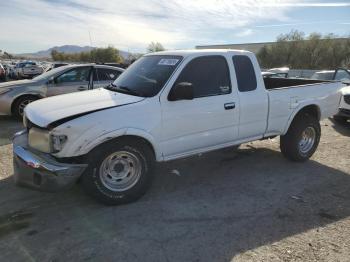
(34, 25)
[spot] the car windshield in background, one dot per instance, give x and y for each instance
(147, 76)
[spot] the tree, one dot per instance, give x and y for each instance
(313, 52)
(155, 47)
(97, 55)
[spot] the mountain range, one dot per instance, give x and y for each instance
(70, 49)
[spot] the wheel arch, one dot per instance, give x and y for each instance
(21, 96)
(85, 146)
(310, 109)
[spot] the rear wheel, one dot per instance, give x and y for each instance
(120, 172)
(302, 138)
(21, 103)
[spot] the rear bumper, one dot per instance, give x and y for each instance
(40, 171)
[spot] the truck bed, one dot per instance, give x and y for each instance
(287, 96)
(274, 83)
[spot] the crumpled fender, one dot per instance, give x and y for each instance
(89, 144)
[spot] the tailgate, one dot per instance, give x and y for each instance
(32, 70)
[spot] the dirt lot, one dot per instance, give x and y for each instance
(252, 205)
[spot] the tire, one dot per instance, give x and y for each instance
(302, 138)
(21, 103)
(136, 159)
(340, 119)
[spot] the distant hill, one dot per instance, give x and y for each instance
(69, 49)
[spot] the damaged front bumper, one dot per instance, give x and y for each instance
(41, 171)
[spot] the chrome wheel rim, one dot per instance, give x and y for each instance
(120, 171)
(308, 138)
(22, 105)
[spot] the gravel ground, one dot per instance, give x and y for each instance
(249, 205)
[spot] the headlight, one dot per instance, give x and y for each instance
(4, 90)
(43, 141)
(39, 139)
(58, 142)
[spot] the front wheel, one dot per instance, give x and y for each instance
(21, 103)
(302, 138)
(119, 172)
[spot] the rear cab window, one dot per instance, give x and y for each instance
(245, 73)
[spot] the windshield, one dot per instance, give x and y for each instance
(48, 74)
(147, 76)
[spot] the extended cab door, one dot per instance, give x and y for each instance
(73, 80)
(253, 97)
(207, 121)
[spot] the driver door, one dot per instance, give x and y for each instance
(73, 80)
(210, 119)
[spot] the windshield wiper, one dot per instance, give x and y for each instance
(128, 90)
(111, 87)
(124, 90)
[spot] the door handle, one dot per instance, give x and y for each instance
(82, 88)
(229, 106)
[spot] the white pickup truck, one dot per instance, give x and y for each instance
(165, 106)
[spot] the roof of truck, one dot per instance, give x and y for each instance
(198, 51)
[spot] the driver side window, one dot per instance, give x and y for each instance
(209, 76)
(80, 74)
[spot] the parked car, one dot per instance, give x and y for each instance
(343, 114)
(165, 106)
(28, 69)
(343, 75)
(10, 70)
(2, 73)
(15, 95)
(7, 69)
(340, 74)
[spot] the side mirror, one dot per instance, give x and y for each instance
(182, 91)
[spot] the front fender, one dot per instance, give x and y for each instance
(85, 144)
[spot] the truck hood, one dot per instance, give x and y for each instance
(46, 111)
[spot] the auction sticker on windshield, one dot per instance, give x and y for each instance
(168, 62)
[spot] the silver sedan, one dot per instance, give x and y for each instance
(15, 95)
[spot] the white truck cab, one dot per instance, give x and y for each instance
(167, 105)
